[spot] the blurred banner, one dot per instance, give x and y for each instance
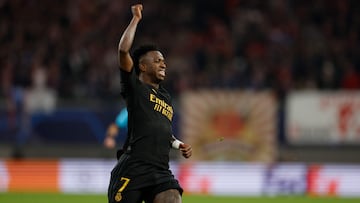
(230, 125)
(67, 125)
(323, 118)
(212, 178)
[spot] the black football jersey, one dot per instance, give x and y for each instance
(149, 122)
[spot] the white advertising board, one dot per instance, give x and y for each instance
(323, 118)
(222, 178)
(214, 178)
(285, 179)
(334, 180)
(4, 177)
(84, 176)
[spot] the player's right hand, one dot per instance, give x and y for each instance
(136, 10)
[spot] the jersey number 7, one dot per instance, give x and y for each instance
(118, 196)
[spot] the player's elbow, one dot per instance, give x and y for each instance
(125, 61)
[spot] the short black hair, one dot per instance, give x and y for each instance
(141, 51)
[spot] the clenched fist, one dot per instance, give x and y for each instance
(136, 10)
(186, 150)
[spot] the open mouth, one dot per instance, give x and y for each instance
(162, 73)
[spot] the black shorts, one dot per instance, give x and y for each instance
(121, 191)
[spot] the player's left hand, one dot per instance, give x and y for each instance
(186, 150)
(109, 142)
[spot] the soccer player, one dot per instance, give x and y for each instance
(113, 129)
(142, 172)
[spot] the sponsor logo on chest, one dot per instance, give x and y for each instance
(161, 106)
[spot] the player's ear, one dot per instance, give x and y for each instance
(142, 67)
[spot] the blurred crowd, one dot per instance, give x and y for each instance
(278, 45)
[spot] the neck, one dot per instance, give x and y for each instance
(147, 80)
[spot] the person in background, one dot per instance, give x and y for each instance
(114, 128)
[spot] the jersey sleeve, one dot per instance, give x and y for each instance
(128, 80)
(122, 118)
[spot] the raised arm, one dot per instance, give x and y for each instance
(127, 38)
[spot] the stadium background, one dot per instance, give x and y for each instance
(266, 91)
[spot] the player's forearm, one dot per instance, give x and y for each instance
(126, 41)
(127, 38)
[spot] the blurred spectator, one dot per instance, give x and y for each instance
(64, 49)
(280, 45)
(114, 128)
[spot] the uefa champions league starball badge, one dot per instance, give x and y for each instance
(118, 197)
